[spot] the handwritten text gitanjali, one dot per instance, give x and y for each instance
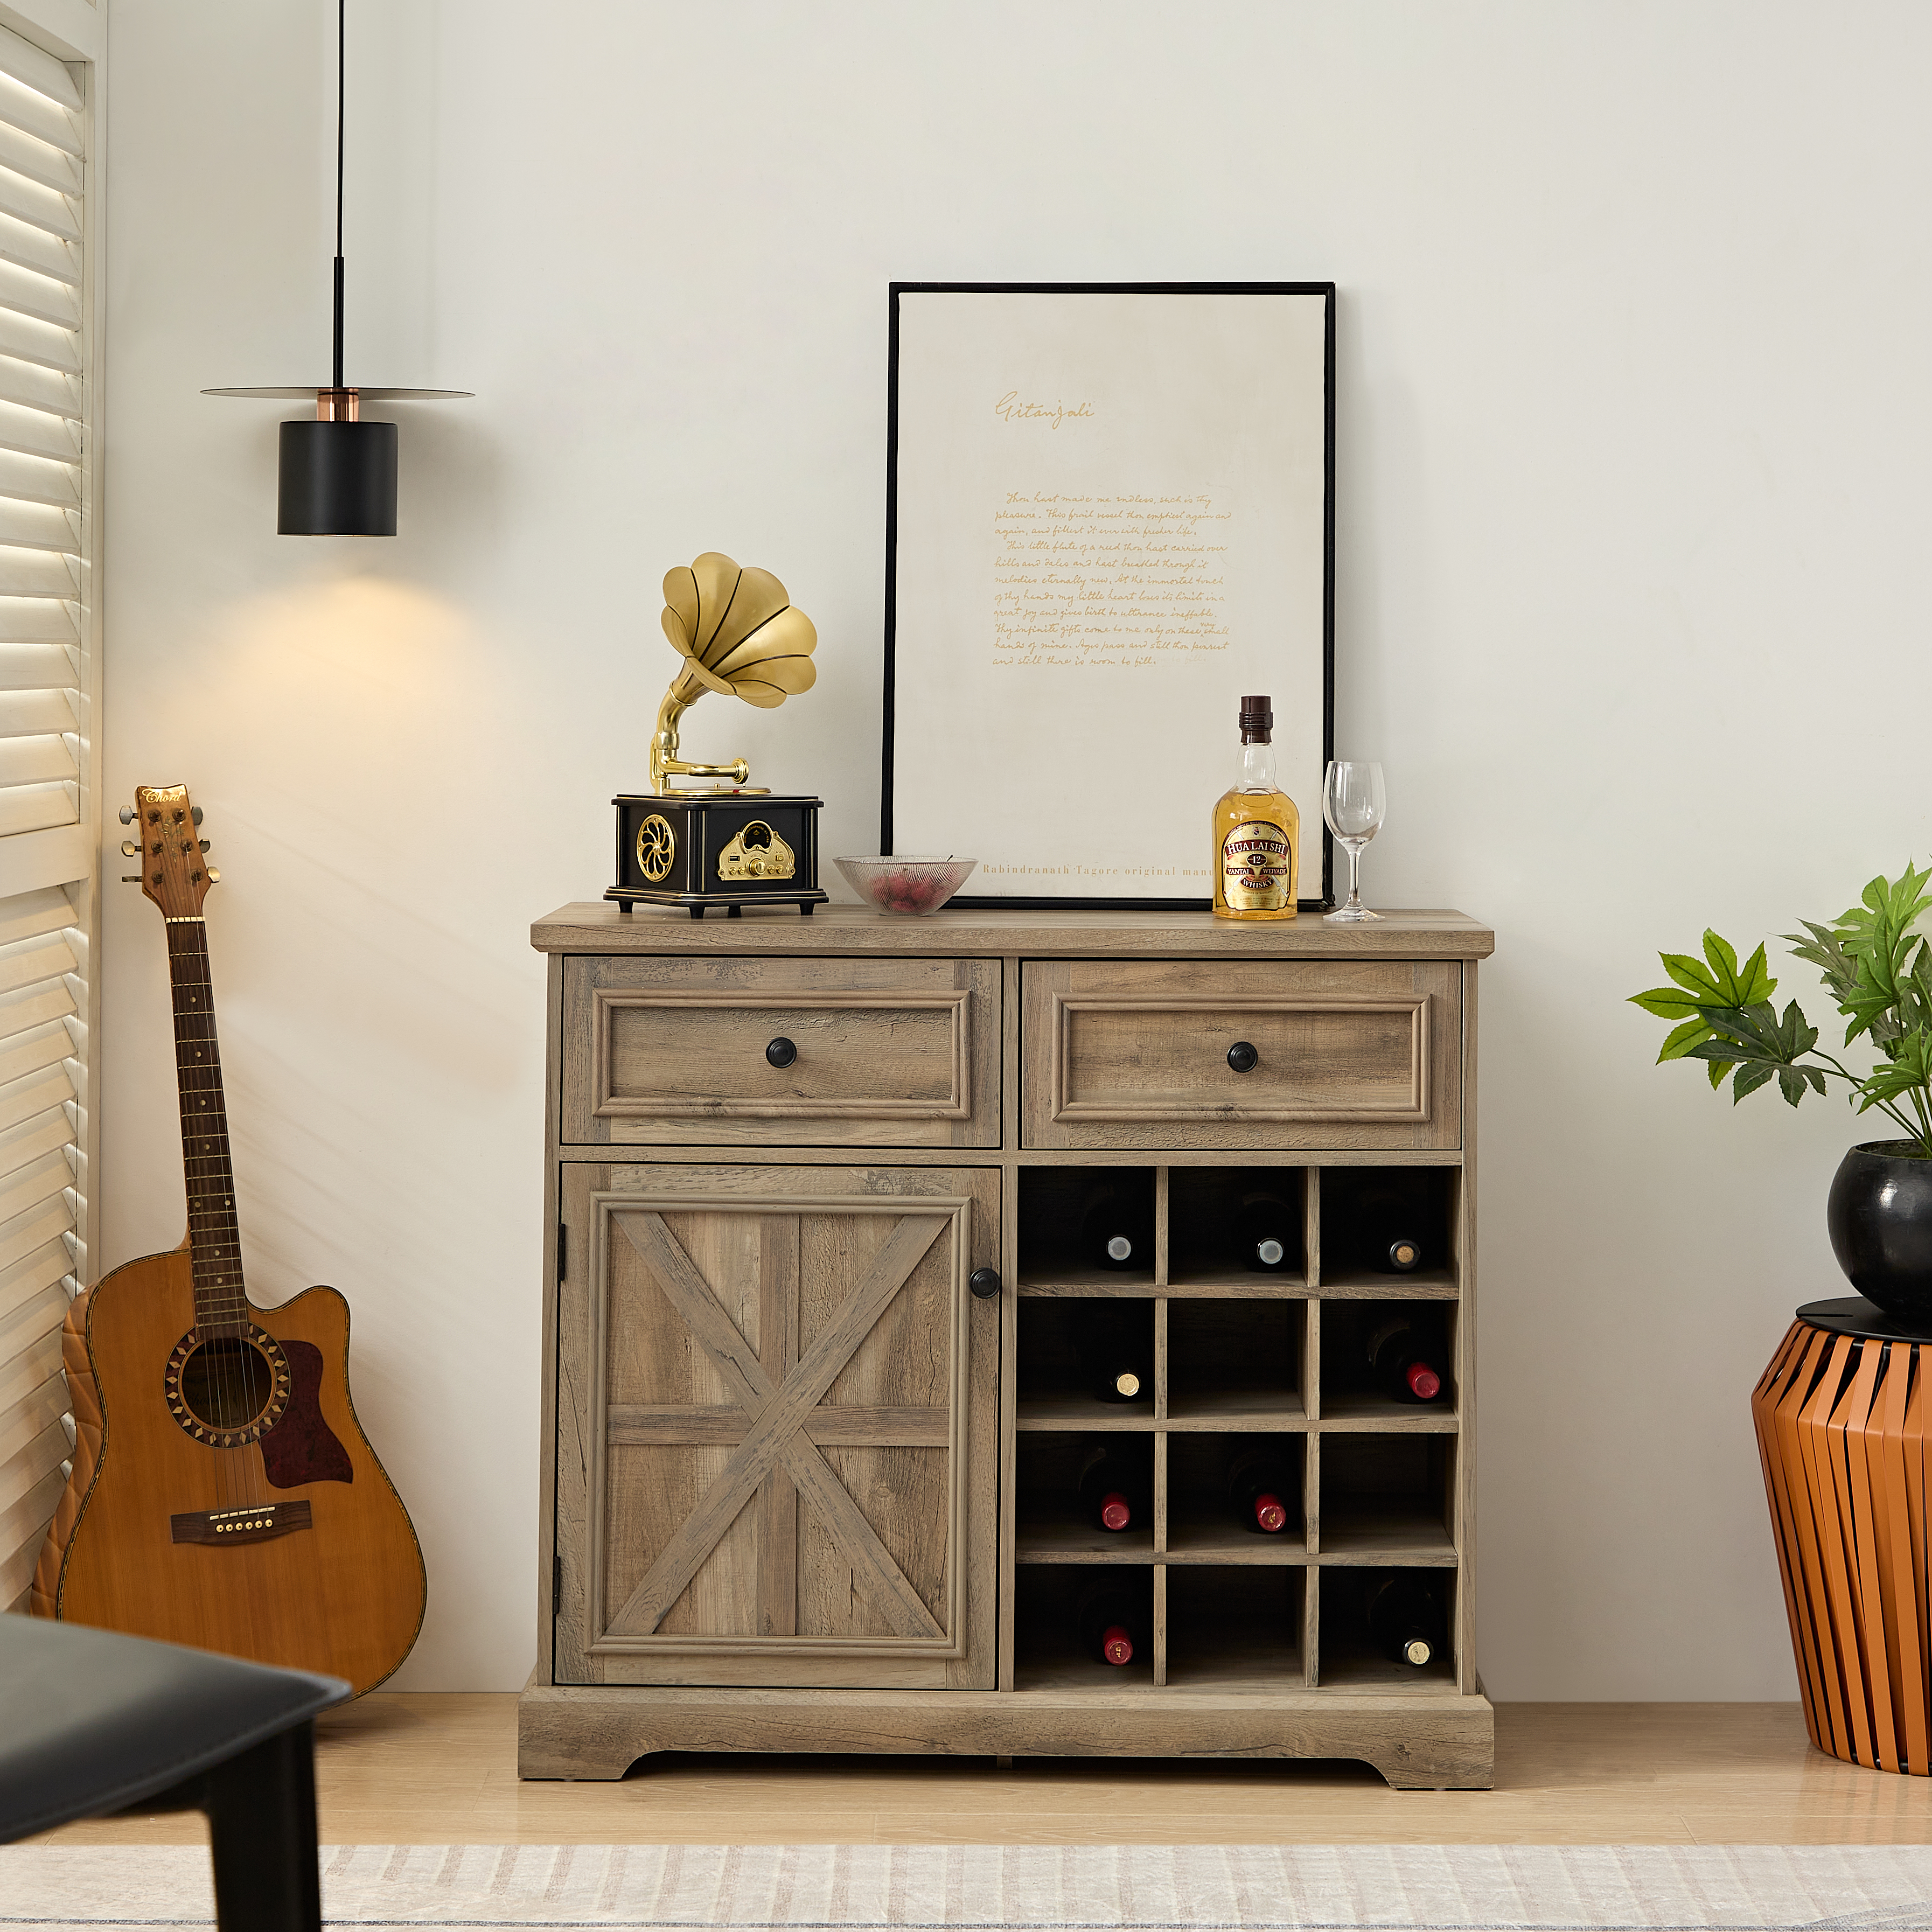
(1013, 407)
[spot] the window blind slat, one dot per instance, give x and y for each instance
(39, 160)
(39, 525)
(35, 713)
(25, 1419)
(47, 1045)
(38, 573)
(37, 204)
(32, 760)
(32, 1462)
(58, 856)
(38, 74)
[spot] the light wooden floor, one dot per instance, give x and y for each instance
(441, 1770)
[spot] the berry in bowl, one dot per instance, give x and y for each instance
(905, 885)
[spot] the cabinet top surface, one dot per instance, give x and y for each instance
(598, 925)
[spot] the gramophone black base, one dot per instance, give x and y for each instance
(727, 849)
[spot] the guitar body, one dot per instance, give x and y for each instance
(184, 1536)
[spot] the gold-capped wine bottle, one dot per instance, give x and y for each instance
(1257, 829)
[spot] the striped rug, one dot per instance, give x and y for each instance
(1028, 1888)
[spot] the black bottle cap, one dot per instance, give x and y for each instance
(1257, 714)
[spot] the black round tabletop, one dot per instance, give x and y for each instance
(1853, 1314)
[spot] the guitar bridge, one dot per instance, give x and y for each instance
(258, 1523)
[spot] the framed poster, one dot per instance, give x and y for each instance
(1110, 515)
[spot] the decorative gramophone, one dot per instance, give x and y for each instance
(730, 843)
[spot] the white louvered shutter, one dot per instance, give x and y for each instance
(49, 819)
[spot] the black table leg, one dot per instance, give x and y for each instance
(261, 1830)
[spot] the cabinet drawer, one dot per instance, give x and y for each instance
(1347, 1054)
(886, 1052)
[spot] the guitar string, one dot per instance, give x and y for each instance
(237, 1366)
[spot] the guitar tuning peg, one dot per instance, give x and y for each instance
(204, 845)
(130, 878)
(195, 812)
(127, 815)
(129, 849)
(214, 877)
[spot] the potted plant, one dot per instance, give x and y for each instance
(1879, 969)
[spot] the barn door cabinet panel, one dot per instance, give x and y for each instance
(816, 1376)
(776, 1379)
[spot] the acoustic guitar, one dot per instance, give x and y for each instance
(224, 1494)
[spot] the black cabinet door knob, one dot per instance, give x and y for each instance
(781, 1052)
(984, 1283)
(1242, 1057)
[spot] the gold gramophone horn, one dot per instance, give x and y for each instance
(739, 635)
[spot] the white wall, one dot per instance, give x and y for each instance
(1634, 406)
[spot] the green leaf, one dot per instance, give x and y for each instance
(1667, 1003)
(1717, 1069)
(1683, 1038)
(1756, 982)
(1689, 974)
(1722, 956)
(1749, 1080)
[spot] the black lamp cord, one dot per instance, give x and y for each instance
(341, 8)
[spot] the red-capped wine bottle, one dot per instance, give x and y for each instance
(1406, 1619)
(1116, 1348)
(1268, 1233)
(1113, 1487)
(1110, 1624)
(1262, 1489)
(1406, 1366)
(1115, 1231)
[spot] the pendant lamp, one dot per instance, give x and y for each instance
(338, 473)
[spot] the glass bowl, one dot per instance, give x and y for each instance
(909, 886)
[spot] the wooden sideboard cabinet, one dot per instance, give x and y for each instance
(818, 1307)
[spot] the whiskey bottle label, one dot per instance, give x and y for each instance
(1254, 866)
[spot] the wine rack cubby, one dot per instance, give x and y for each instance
(1278, 1356)
(873, 1236)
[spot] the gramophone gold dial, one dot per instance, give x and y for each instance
(657, 848)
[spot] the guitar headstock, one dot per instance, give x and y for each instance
(166, 840)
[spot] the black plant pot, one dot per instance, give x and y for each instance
(1879, 1214)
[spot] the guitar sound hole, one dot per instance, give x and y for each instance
(226, 1382)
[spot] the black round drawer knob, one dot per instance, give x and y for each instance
(985, 1283)
(1243, 1057)
(781, 1052)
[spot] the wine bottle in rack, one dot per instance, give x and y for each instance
(1405, 1618)
(1113, 1486)
(1405, 1362)
(1388, 1221)
(1263, 1488)
(1269, 1232)
(1110, 1624)
(1115, 1231)
(1116, 1351)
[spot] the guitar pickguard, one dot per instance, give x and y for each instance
(301, 1448)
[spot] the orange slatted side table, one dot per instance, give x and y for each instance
(1843, 1428)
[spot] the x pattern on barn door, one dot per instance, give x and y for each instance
(778, 1455)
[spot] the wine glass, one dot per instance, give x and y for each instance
(1353, 801)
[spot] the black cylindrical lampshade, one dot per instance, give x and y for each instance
(338, 479)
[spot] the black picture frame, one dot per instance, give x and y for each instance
(895, 290)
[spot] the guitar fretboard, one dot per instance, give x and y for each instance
(214, 1237)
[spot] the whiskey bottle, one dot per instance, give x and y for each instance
(1257, 829)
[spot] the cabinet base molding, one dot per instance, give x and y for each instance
(1416, 1740)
